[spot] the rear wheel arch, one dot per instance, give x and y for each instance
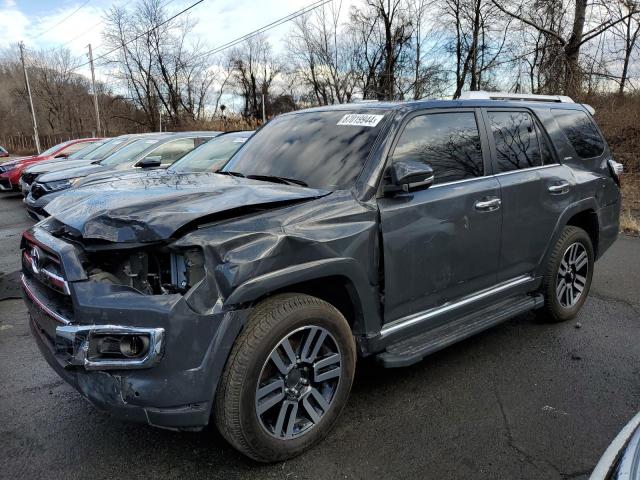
(580, 214)
(588, 221)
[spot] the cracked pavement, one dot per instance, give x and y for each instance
(524, 400)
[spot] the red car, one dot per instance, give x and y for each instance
(10, 171)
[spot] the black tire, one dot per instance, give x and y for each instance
(555, 309)
(272, 321)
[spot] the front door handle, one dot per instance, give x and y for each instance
(488, 205)
(562, 187)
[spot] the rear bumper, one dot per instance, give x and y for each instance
(609, 222)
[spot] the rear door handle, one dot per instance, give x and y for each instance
(488, 205)
(562, 187)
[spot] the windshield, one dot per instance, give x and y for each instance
(211, 156)
(325, 149)
(129, 152)
(105, 149)
(55, 148)
(85, 151)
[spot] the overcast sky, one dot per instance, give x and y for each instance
(36, 21)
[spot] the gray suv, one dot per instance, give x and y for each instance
(391, 230)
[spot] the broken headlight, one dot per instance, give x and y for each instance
(153, 272)
(187, 268)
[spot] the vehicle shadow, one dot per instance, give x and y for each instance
(375, 389)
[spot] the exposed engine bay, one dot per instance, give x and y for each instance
(159, 271)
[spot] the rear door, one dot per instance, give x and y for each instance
(535, 188)
(440, 243)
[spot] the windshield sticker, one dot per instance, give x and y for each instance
(240, 140)
(360, 120)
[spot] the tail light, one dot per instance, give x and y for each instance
(616, 170)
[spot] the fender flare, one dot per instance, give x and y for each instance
(348, 268)
(583, 205)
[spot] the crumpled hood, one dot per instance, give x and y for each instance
(152, 207)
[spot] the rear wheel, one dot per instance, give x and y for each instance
(568, 275)
(287, 378)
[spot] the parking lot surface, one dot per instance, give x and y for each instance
(526, 399)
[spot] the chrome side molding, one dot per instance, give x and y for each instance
(420, 317)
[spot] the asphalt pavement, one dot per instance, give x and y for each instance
(524, 400)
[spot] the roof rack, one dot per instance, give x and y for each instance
(527, 97)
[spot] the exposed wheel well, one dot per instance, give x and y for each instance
(588, 221)
(336, 290)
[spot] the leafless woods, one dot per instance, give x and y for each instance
(158, 67)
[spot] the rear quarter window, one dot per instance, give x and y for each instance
(581, 132)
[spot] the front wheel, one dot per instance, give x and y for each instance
(287, 378)
(568, 275)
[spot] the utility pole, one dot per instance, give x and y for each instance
(95, 93)
(36, 137)
(264, 115)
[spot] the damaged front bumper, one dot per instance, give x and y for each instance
(171, 386)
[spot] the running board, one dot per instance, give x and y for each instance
(412, 350)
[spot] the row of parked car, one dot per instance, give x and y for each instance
(177, 296)
(43, 177)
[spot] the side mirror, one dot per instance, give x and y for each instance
(407, 172)
(150, 162)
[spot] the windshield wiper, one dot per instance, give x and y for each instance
(275, 178)
(233, 174)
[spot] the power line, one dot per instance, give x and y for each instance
(62, 21)
(141, 35)
(99, 23)
(267, 27)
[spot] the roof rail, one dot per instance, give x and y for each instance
(527, 97)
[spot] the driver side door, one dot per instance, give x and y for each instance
(442, 242)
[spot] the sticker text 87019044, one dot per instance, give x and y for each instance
(360, 120)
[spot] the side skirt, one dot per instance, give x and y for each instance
(414, 349)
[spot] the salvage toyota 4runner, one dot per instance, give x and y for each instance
(244, 297)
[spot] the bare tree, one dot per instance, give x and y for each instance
(254, 70)
(570, 40)
(321, 56)
(157, 65)
(383, 30)
(626, 33)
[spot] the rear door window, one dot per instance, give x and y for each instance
(518, 141)
(580, 131)
(448, 142)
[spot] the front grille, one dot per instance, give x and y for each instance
(43, 273)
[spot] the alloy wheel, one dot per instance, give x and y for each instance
(572, 275)
(298, 382)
